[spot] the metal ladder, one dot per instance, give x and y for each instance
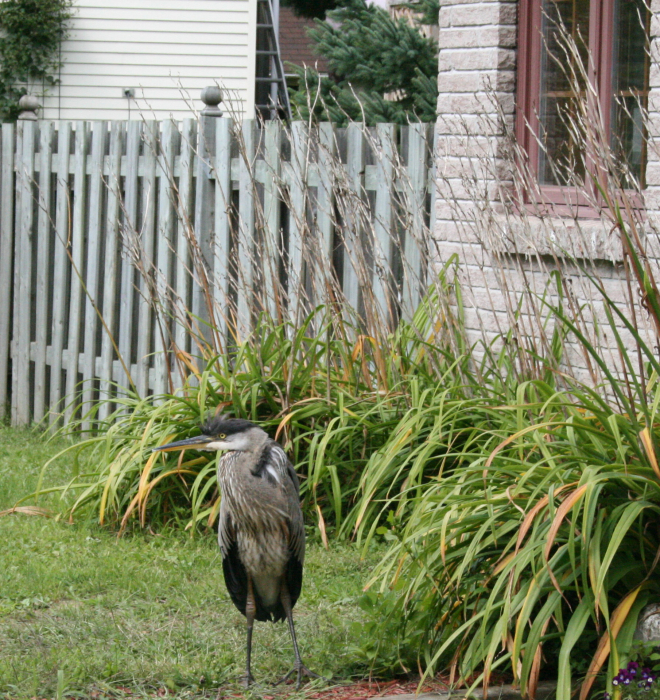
(271, 94)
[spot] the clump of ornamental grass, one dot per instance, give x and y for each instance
(533, 556)
(322, 394)
(278, 341)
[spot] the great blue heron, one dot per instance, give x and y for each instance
(261, 531)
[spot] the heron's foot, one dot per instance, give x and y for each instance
(247, 680)
(301, 670)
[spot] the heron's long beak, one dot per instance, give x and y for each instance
(198, 440)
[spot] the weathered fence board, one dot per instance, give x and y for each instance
(299, 167)
(77, 253)
(383, 215)
(95, 236)
(130, 225)
(43, 263)
(412, 250)
(272, 157)
(23, 263)
(245, 230)
(115, 235)
(61, 269)
(146, 242)
(111, 271)
(184, 226)
(164, 247)
(353, 229)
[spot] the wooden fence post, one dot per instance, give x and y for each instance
(222, 228)
(6, 255)
(205, 208)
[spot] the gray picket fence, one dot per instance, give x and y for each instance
(84, 204)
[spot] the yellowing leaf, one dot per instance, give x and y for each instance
(511, 438)
(645, 437)
(529, 518)
(603, 650)
(26, 510)
(562, 512)
(324, 537)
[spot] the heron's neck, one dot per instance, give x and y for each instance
(257, 445)
(252, 445)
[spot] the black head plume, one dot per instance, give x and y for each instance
(219, 425)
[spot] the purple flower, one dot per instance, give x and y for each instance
(607, 696)
(615, 680)
(633, 664)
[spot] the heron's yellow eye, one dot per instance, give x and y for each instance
(222, 436)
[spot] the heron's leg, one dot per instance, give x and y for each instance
(298, 667)
(250, 612)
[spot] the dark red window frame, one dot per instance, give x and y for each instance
(600, 71)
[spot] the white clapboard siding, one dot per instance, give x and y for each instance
(165, 50)
(108, 226)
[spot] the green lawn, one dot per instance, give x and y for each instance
(149, 611)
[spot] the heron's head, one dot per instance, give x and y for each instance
(221, 434)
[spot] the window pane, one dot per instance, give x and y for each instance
(558, 99)
(630, 80)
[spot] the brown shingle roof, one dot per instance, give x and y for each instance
(295, 45)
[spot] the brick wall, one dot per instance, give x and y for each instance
(498, 249)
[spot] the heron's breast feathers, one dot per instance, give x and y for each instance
(260, 499)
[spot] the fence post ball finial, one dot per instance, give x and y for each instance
(211, 97)
(28, 104)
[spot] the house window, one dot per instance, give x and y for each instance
(611, 37)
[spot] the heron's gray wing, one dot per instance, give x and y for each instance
(294, 567)
(232, 567)
(296, 525)
(288, 480)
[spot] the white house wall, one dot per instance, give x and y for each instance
(165, 50)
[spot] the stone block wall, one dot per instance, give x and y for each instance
(476, 114)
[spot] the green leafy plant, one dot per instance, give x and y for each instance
(33, 31)
(635, 681)
(333, 397)
(535, 557)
